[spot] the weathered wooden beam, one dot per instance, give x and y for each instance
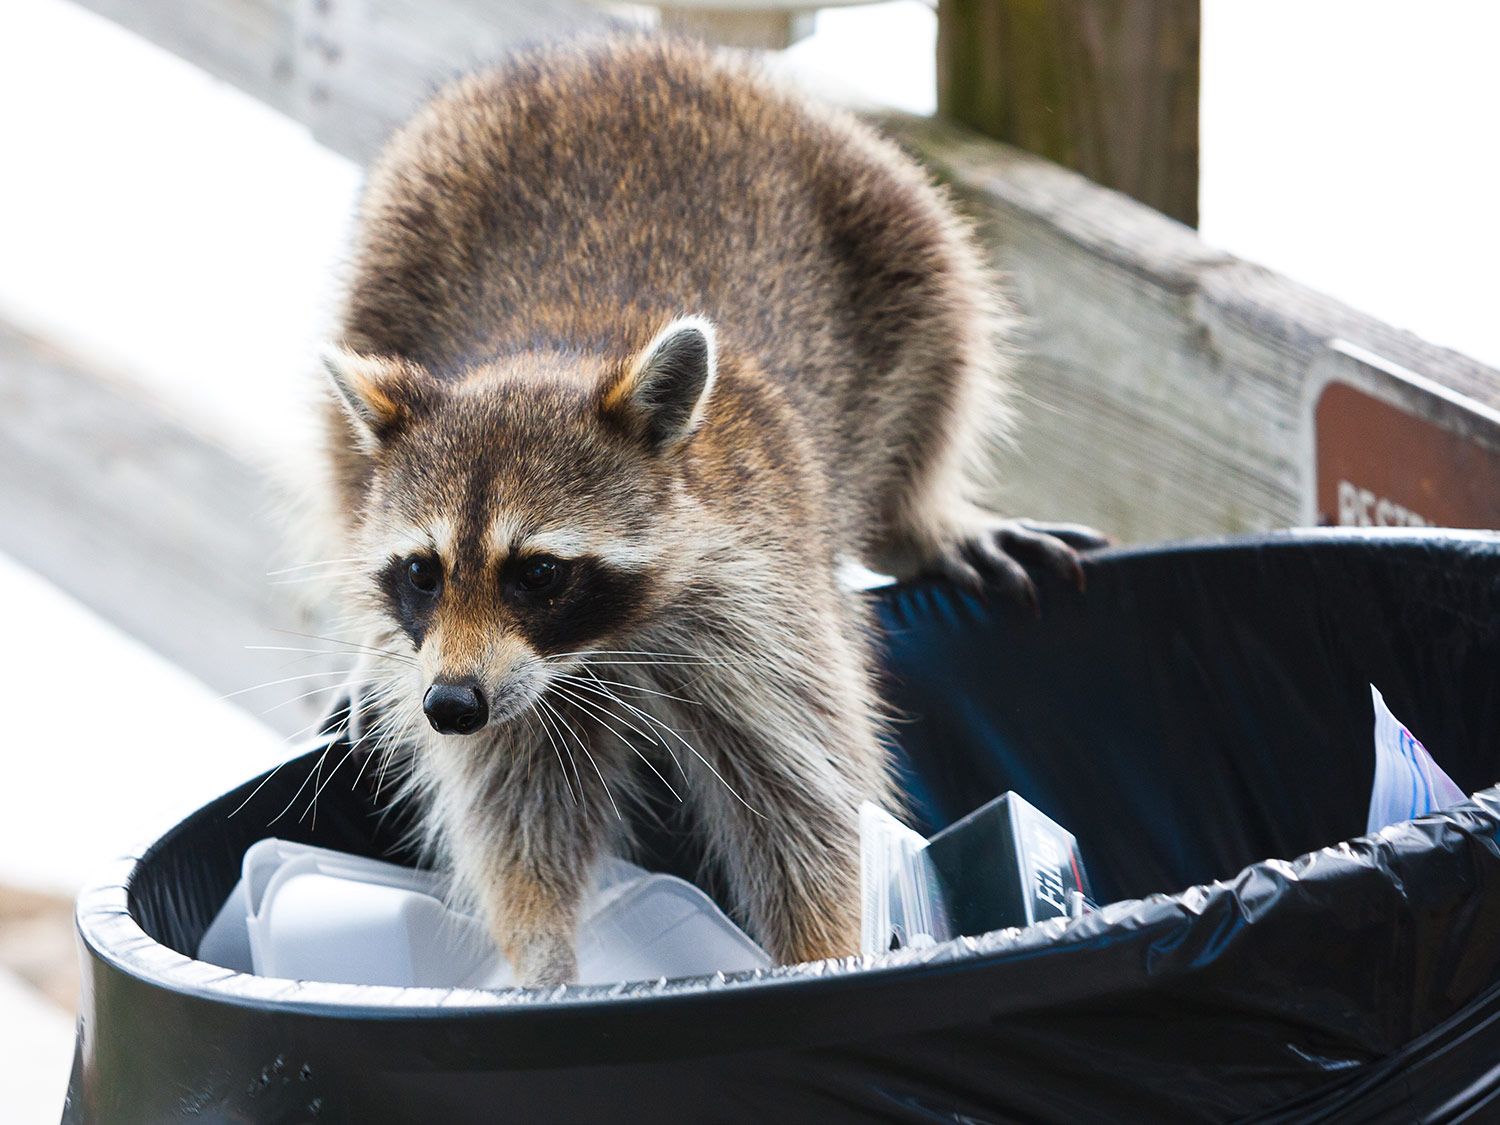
(160, 531)
(351, 70)
(1167, 387)
(1108, 88)
(250, 44)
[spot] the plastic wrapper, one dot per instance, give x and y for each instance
(1200, 719)
(1408, 783)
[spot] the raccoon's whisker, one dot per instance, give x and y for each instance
(348, 644)
(331, 687)
(312, 805)
(304, 730)
(385, 723)
(265, 780)
(658, 663)
(292, 662)
(629, 687)
(370, 755)
(549, 718)
(300, 698)
(531, 725)
(665, 745)
(620, 652)
(582, 745)
(600, 713)
(257, 789)
(364, 684)
(297, 648)
(317, 766)
(387, 731)
(570, 691)
(685, 662)
(315, 653)
(692, 658)
(316, 787)
(354, 745)
(567, 780)
(579, 685)
(321, 576)
(694, 750)
(386, 751)
(315, 562)
(387, 745)
(288, 680)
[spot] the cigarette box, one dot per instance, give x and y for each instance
(1007, 864)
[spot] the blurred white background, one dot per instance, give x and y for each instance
(168, 226)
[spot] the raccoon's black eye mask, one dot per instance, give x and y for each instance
(559, 604)
(413, 586)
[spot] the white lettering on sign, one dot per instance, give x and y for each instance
(1359, 507)
(1047, 859)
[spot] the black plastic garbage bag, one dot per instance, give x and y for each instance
(1202, 708)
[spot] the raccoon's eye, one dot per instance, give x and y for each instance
(425, 574)
(541, 575)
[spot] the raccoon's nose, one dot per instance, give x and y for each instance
(455, 708)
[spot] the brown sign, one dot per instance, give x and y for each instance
(1381, 466)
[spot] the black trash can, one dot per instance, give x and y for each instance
(1202, 708)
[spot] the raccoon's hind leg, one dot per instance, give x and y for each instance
(933, 525)
(943, 416)
(933, 519)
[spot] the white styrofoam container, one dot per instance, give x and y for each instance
(308, 913)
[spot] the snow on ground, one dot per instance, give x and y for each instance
(106, 744)
(36, 1053)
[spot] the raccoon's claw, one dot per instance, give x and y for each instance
(1076, 535)
(997, 558)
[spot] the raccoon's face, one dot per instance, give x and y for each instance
(524, 514)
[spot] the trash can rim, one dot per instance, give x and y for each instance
(110, 934)
(1285, 539)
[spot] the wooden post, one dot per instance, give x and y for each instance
(1108, 88)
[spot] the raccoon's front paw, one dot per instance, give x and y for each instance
(545, 962)
(997, 555)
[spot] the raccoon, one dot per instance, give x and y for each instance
(638, 349)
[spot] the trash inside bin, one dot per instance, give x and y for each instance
(308, 913)
(1201, 720)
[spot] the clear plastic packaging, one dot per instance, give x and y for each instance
(901, 901)
(1004, 865)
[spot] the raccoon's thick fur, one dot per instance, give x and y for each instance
(638, 349)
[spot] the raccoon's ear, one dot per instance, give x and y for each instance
(664, 391)
(380, 394)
